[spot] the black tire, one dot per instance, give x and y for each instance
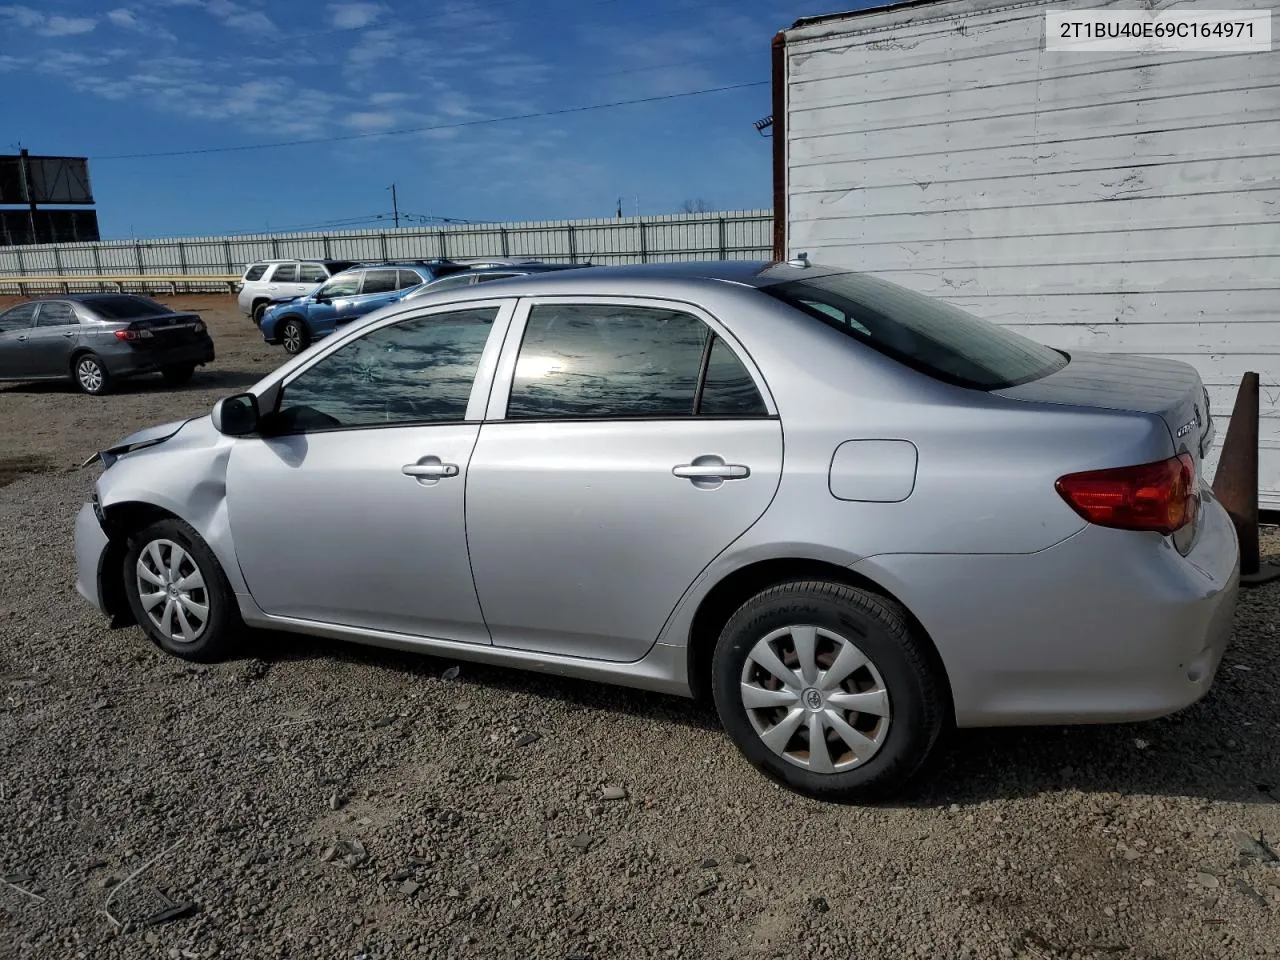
(215, 637)
(258, 310)
(295, 335)
(179, 374)
(90, 374)
(879, 629)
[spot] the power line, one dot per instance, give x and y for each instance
(438, 126)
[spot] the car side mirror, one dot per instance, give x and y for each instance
(236, 416)
(321, 298)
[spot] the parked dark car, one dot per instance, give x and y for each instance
(95, 339)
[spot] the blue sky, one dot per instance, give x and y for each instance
(150, 76)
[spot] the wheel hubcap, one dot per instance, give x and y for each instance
(815, 699)
(172, 591)
(90, 374)
(292, 339)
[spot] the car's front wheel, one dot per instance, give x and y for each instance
(826, 688)
(178, 592)
(294, 335)
(258, 310)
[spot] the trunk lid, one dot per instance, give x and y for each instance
(1168, 389)
(165, 331)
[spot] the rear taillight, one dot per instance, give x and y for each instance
(133, 334)
(1151, 496)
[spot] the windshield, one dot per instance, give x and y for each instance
(929, 335)
(124, 308)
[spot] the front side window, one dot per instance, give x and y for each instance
(285, 273)
(595, 361)
(414, 372)
(311, 273)
(19, 318)
(929, 335)
(55, 315)
(379, 281)
(341, 286)
(255, 272)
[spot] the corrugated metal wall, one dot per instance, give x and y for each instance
(734, 235)
(1120, 202)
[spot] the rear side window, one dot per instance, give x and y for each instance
(124, 308)
(928, 335)
(55, 315)
(255, 272)
(311, 273)
(379, 281)
(408, 278)
(285, 273)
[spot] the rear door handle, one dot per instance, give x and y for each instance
(429, 468)
(69, 334)
(711, 471)
(23, 338)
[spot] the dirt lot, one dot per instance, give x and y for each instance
(316, 800)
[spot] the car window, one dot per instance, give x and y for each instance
(311, 273)
(18, 318)
(486, 277)
(379, 281)
(341, 286)
(416, 371)
(55, 314)
(448, 283)
(601, 361)
(124, 307)
(285, 273)
(929, 335)
(409, 278)
(727, 388)
(255, 272)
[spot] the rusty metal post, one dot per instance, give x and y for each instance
(1235, 484)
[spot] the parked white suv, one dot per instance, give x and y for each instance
(267, 280)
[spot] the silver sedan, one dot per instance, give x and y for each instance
(847, 513)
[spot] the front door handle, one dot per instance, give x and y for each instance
(23, 338)
(69, 334)
(711, 471)
(429, 470)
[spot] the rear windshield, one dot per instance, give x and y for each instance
(256, 271)
(928, 335)
(124, 308)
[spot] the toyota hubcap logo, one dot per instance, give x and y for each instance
(813, 699)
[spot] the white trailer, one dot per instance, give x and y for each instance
(1126, 202)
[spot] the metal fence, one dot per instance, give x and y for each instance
(726, 235)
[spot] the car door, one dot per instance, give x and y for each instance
(376, 290)
(628, 443)
(53, 341)
(310, 276)
(323, 306)
(284, 277)
(15, 332)
(349, 510)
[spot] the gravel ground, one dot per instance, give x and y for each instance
(318, 800)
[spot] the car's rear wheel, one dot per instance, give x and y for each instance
(178, 592)
(258, 310)
(295, 336)
(826, 689)
(90, 374)
(178, 374)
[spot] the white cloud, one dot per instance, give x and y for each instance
(353, 16)
(67, 26)
(123, 18)
(240, 17)
(370, 120)
(57, 26)
(126, 19)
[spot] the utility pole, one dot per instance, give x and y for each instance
(395, 210)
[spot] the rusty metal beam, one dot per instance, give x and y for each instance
(1236, 482)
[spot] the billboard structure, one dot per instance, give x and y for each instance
(35, 180)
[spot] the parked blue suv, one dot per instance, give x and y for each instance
(298, 321)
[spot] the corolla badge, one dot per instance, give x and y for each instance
(1190, 424)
